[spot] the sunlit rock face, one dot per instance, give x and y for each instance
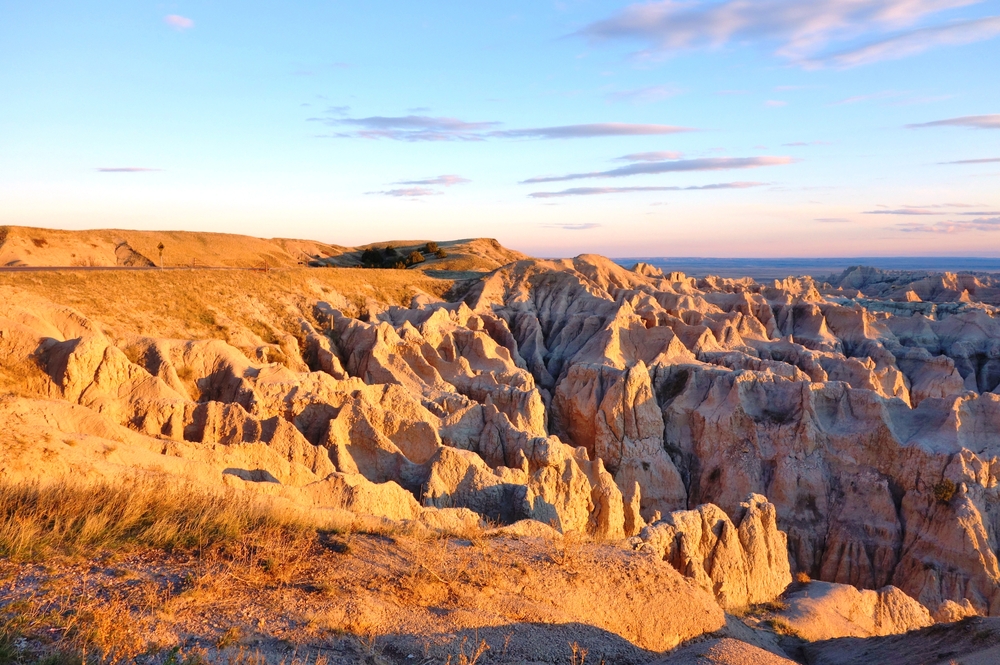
(599, 400)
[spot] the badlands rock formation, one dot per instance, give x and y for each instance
(592, 399)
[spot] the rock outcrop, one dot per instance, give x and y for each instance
(742, 565)
(593, 399)
(823, 611)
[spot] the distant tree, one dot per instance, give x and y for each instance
(371, 258)
(431, 248)
(441, 254)
(160, 248)
(414, 258)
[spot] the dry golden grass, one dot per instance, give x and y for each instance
(37, 521)
(200, 304)
(23, 378)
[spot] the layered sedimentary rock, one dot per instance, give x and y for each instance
(596, 399)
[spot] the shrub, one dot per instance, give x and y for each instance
(371, 258)
(944, 491)
(802, 578)
(414, 258)
(441, 254)
(431, 248)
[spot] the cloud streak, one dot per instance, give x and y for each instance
(903, 211)
(680, 165)
(409, 192)
(586, 226)
(991, 121)
(429, 128)
(592, 130)
(857, 32)
(913, 43)
(951, 227)
(446, 180)
(658, 156)
(593, 191)
(987, 160)
(410, 128)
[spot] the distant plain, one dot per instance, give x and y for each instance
(819, 268)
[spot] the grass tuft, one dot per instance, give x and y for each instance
(65, 517)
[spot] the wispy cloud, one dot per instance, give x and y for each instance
(592, 191)
(658, 156)
(987, 160)
(446, 180)
(573, 227)
(411, 128)
(125, 169)
(645, 95)
(427, 128)
(991, 121)
(591, 131)
(178, 22)
(903, 211)
(913, 43)
(856, 31)
(680, 165)
(409, 192)
(959, 226)
(832, 220)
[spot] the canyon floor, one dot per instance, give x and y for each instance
(235, 449)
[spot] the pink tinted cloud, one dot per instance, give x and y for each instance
(800, 31)
(178, 22)
(446, 180)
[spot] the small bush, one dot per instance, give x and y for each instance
(414, 258)
(431, 248)
(441, 254)
(944, 491)
(802, 578)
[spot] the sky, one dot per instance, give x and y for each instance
(728, 128)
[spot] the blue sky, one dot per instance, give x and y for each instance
(673, 128)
